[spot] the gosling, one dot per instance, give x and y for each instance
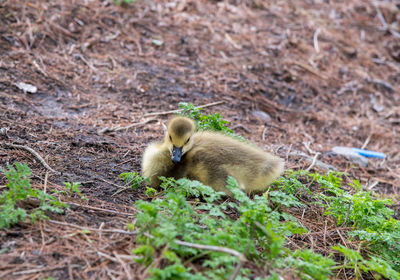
(209, 157)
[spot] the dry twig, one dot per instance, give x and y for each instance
(213, 248)
(318, 163)
(104, 255)
(101, 209)
(122, 189)
(111, 129)
(309, 69)
(341, 237)
(316, 33)
(45, 182)
(232, 252)
(33, 152)
(41, 269)
(385, 26)
(263, 133)
(155, 262)
(366, 141)
(124, 266)
(111, 183)
(93, 229)
(313, 161)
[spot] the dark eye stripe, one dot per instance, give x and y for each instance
(170, 138)
(187, 140)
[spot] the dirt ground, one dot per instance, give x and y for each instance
(323, 74)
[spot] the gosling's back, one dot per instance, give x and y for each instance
(215, 156)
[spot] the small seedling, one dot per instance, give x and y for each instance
(18, 190)
(73, 188)
(133, 179)
(123, 2)
(150, 192)
(130, 226)
(212, 122)
(4, 250)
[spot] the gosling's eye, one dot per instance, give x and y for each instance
(170, 138)
(187, 141)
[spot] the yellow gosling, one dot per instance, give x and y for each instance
(209, 157)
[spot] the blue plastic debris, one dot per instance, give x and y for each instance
(370, 154)
(351, 155)
(356, 155)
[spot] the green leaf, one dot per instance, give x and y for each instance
(133, 179)
(18, 189)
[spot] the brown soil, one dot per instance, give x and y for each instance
(327, 74)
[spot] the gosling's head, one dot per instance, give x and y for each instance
(179, 137)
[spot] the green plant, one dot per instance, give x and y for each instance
(123, 2)
(213, 122)
(311, 265)
(150, 192)
(133, 179)
(73, 188)
(356, 262)
(258, 232)
(18, 191)
(259, 227)
(369, 217)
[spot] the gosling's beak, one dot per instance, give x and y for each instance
(176, 154)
